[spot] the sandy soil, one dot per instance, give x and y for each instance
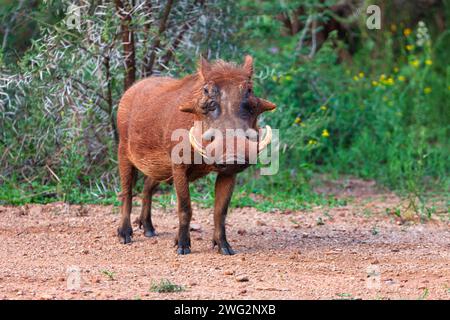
(61, 251)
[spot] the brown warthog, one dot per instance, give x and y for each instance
(219, 97)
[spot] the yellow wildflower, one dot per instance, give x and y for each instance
(274, 78)
(325, 133)
(407, 32)
(389, 81)
(428, 62)
(361, 74)
(356, 78)
(382, 77)
(374, 83)
(401, 78)
(427, 90)
(288, 78)
(415, 63)
(312, 142)
(409, 47)
(396, 69)
(297, 120)
(324, 108)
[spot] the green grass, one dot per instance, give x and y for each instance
(424, 294)
(109, 274)
(374, 231)
(345, 296)
(260, 195)
(165, 286)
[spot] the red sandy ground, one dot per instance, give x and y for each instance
(359, 252)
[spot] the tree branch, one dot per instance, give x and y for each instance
(149, 60)
(127, 42)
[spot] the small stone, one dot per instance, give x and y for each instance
(196, 227)
(192, 283)
(241, 232)
(228, 272)
(260, 223)
(244, 291)
(96, 280)
(85, 251)
(242, 278)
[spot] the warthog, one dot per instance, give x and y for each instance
(217, 98)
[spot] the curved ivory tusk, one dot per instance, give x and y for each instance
(267, 139)
(195, 144)
(199, 148)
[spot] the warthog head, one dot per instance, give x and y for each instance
(226, 110)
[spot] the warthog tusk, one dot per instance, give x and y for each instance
(266, 141)
(199, 148)
(195, 144)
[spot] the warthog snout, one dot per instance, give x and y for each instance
(230, 147)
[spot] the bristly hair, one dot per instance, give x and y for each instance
(222, 71)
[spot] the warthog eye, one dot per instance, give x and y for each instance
(210, 106)
(246, 109)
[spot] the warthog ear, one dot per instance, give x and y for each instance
(265, 105)
(203, 68)
(248, 65)
(187, 107)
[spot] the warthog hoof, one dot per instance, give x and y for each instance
(183, 250)
(184, 246)
(149, 230)
(149, 233)
(223, 248)
(125, 235)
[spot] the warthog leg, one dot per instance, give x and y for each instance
(224, 190)
(181, 183)
(145, 220)
(128, 174)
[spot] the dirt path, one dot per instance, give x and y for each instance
(358, 252)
